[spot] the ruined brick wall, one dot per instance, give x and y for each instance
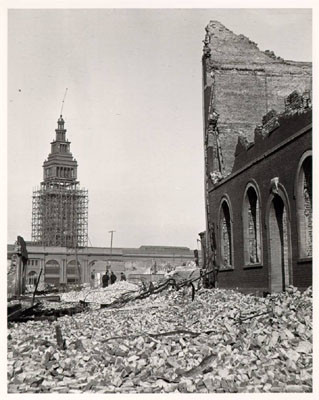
(282, 161)
(293, 123)
(243, 83)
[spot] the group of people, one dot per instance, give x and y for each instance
(110, 277)
(107, 279)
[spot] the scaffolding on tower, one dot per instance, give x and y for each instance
(60, 215)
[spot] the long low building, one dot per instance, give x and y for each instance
(59, 264)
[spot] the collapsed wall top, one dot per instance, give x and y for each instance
(241, 85)
(225, 47)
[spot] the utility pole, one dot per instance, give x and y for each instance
(111, 232)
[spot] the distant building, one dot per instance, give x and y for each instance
(58, 249)
(58, 264)
(258, 165)
(59, 206)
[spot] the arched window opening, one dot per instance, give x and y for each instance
(307, 195)
(285, 246)
(304, 207)
(226, 237)
(32, 278)
(251, 226)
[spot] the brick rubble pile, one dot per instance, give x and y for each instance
(100, 295)
(223, 341)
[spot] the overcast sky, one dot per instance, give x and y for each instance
(133, 111)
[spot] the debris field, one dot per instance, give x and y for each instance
(222, 342)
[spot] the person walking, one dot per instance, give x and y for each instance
(105, 279)
(123, 277)
(113, 277)
(93, 279)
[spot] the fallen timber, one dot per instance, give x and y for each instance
(48, 297)
(36, 312)
(19, 311)
(169, 283)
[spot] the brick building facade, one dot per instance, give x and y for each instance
(258, 164)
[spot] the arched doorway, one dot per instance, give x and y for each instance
(52, 272)
(73, 270)
(279, 249)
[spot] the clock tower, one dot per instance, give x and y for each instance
(60, 206)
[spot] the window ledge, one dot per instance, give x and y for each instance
(251, 266)
(304, 260)
(225, 269)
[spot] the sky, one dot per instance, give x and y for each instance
(133, 111)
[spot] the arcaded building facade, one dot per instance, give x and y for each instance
(258, 165)
(61, 266)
